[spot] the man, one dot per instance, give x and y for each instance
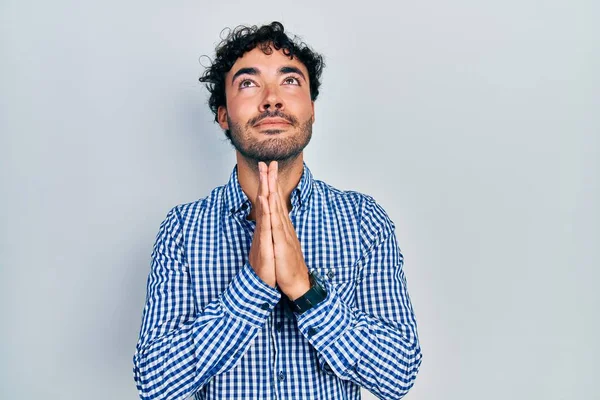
(276, 285)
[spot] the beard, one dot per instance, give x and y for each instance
(274, 146)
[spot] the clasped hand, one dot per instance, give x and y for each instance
(275, 253)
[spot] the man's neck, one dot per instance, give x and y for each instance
(289, 174)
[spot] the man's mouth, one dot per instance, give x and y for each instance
(273, 122)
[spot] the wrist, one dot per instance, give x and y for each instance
(315, 295)
(299, 288)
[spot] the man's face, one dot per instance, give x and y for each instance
(269, 110)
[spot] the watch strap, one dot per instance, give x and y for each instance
(314, 296)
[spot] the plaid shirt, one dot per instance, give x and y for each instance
(213, 329)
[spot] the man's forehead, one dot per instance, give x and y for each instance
(266, 63)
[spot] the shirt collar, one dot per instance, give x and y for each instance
(235, 199)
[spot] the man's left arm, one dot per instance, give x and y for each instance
(374, 343)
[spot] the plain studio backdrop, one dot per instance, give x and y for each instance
(474, 124)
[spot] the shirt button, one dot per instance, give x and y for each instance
(278, 326)
(265, 306)
(312, 331)
(331, 274)
(281, 376)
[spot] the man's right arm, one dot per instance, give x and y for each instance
(180, 348)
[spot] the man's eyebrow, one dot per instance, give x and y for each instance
(288, 69)
(291, 69)
(242, 71)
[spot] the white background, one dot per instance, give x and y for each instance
(475, 125)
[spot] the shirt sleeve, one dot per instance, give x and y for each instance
(373, 343)
(180, 348)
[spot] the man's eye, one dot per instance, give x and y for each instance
(292, 81)
(246, 83)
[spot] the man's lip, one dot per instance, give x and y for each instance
(273, 121)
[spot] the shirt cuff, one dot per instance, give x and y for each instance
(326, 321)
(249, 298)
(331, 328)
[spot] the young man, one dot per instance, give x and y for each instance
(276, 285)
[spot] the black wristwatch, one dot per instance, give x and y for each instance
(314, 296)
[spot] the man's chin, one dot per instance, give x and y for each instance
(272, 131)
(269, 155)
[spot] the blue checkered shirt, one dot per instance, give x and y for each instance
(212, 329)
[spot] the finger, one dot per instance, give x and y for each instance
(274, 186)
(284, 202)
(257, 202)
(265, 220)
(259, 190)
(272, 177)
(264, 186)
(286, 223)
(281, 207)
(258, 210)
(276, 221)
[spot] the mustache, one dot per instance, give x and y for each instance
(273, 114)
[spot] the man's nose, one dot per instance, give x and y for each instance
(272, 100)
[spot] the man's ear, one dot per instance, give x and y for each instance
(222, 117)
(313, 111)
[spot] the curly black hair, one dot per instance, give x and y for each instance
(243, 39)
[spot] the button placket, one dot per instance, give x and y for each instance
(273, 344)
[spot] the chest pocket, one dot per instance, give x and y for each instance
(344, 280)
